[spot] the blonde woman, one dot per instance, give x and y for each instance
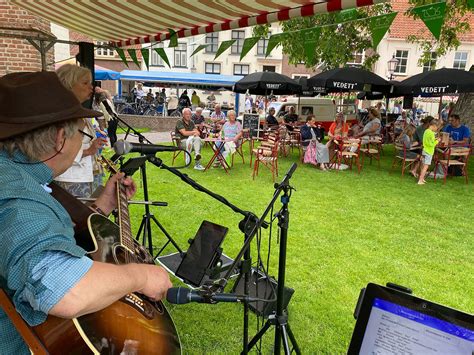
(78, 180)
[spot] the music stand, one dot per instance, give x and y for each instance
(144, 231)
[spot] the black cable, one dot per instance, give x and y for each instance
(42, 161)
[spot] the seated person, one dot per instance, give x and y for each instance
(232, 134)
(271, 119)
(290, 118)
(197, 117)
(458, 133)
(218, 116)
(338, 128)
(312, 135)
(405, 140)
(372, 128)
(190, 140)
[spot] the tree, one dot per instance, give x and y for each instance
(338, 42)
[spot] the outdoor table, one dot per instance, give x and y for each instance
(217, 153)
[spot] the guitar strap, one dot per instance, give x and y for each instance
(21, 326)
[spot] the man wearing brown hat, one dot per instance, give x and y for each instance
(41, 267)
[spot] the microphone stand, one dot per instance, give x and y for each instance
(250, 226)
(145, 225)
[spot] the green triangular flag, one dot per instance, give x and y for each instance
(146, 57)
(379, 25)
(470, 4)
(311, 37)
(346, 15)
(199, 48)
(273, 42)
(223, 47)
(249, 43)
(161, 52)
(121, 54)
(433, 16)
(133, 54)
(173, 38)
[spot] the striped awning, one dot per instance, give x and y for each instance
(127, 22)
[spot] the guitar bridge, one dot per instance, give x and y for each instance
(140, 305)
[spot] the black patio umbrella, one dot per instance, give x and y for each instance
(437, 83)
(347, 80)
(266, 83)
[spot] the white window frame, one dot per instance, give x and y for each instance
(262, 45)
(460, 60)
(431, 64)
(241, 72)
(400, 59)
(155, 59)
(239, 36)
(355, 54)
(213, 71)
(181, 55)
(104, 52)
(212, 40)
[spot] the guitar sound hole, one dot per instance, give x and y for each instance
(142, 255)
(123, 256)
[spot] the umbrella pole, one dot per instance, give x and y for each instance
(440, 107)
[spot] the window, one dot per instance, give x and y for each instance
(306, 110)
(241, 69)
(402, 57)
(269, 68)
(460, 60)
(155, 59)
(299, 76)
(262, 45)
(358, 58)
(239, 37)
(104, 51)
(180, 55)
(430, 64)
(212, 40)
(213, 68)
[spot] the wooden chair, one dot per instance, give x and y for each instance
(372, 149)
(177, 143)
(401, 158)
(265, 142)
(268, 156)
(455, 155)
(239, 150)
(348, 152)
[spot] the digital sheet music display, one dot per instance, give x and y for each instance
(394, 329)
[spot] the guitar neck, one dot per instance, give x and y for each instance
(124, 217)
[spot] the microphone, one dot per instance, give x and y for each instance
(182, 295)
(123, 147)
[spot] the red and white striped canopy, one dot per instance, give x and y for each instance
(127, 22)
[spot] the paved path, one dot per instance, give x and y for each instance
(154, 137)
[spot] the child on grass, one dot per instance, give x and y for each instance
(429, 144)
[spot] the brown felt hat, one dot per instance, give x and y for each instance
(32, 100)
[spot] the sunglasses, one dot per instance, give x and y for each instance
(86, 134)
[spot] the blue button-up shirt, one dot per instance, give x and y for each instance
(39, 259)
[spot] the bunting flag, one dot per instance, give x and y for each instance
(223, 47)
(161, 52)
(173, 38)
(199, 48)
(346, 16)
(311, 38)
(249, 43)
(133, 54)
(379, 25)
(433, 16)
(121, 54)
(146, 57)
(273, 42)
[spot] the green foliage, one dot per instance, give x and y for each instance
(338, 42)
(345, 230)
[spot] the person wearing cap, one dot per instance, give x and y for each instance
(42, 269)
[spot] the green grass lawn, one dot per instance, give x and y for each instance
(346, 230)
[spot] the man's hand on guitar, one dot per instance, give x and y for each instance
(157, 282)
(107, 201)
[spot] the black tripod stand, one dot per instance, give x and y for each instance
(280, 318)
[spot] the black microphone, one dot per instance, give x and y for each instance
(123, 147)
(182, 295)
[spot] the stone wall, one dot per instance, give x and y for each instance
(158, 124)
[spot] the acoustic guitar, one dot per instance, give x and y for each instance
(134, 324)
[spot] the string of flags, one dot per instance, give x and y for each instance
(432, 16)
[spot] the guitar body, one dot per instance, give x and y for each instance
(134, 324)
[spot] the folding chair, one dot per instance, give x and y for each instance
(268, 156)
(349, 150)
(372, 149)
(401, 157)
(455, 155)
(177, 143)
